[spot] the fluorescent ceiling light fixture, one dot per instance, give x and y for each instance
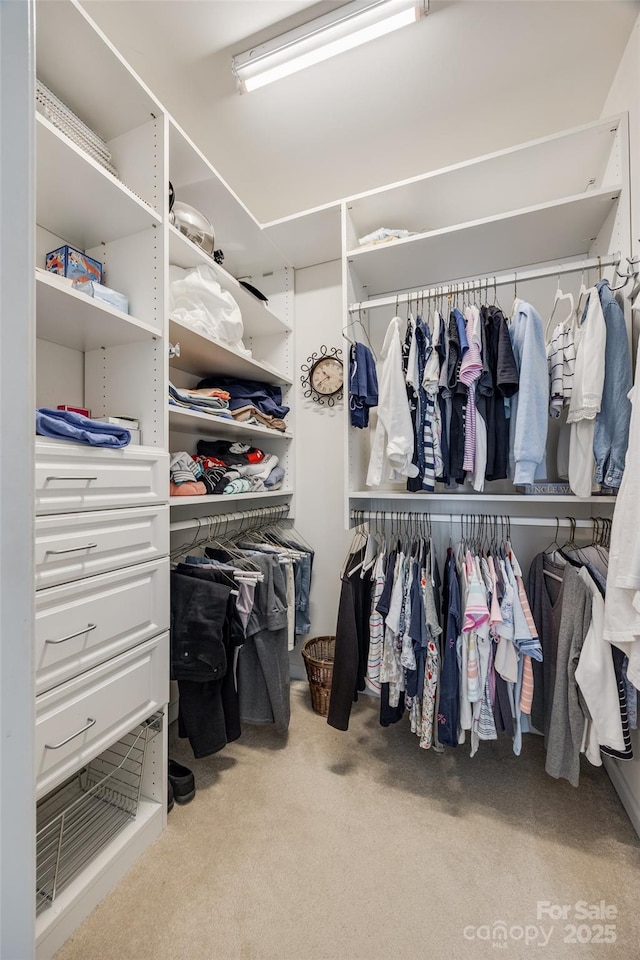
(349, 26)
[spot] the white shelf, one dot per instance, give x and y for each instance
(203, 357)
(526, 175)
(311, 237)
(204, 424)
(229, 498)
(469, 497)
(550, 231)
(80, 65)
(258, 320)
(78, 199)
(72, 319)
(248, 250)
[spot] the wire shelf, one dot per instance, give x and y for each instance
(76, 821)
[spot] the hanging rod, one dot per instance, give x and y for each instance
(359, 516)
(265, 514)
(612, 260)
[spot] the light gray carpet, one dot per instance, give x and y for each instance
(361, 846)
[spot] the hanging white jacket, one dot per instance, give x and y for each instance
(596, 676)
(586, 395)
(392, 450)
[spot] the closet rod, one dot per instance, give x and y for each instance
(612, 260)
(266, 514)
(358, 516)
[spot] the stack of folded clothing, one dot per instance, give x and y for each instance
(210, 400)
(222, 468)
(251, 401)
(74, 427)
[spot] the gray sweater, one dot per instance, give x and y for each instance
(567, 718)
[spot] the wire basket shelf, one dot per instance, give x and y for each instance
(80, 818)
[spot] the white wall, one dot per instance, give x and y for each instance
(625, 95)
(319, 448)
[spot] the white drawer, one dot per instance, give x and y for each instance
(85, 544)
(79, 719)
(71, 477)
(81, 624)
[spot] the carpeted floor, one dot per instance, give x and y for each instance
(361, 846)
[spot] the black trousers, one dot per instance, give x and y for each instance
(205, 631)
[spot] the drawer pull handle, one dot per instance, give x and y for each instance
(86, 546)
(71, 478)
(87, 629)
(56, 746)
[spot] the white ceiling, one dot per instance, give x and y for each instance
(473, 77)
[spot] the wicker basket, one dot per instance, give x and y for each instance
(318, 659)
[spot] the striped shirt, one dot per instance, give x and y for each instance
(561, 359)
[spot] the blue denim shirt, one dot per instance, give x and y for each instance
(612, 423)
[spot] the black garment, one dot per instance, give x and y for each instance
(459, 394)
(205, 629)
(384, 603)
(504, 375)
(484, 385)
(198, 614)
(389, 715)
(232, 453)
(352, 643)
(233, 639)
(502, 715)
(545, 599)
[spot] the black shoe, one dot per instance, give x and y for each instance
(182, 781)
(170, 797)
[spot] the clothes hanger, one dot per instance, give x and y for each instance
(625, 277)
(515, 293)
(551, 551)
(496, 302)
(352, 323)
(581, 294)
(558, 297)
(635, 290)
(358, 533)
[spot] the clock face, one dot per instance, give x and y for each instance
(326, 376)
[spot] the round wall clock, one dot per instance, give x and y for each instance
(323, 376)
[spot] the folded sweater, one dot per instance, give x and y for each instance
(66, 425)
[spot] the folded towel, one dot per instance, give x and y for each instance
(66, 425)
(192, 488)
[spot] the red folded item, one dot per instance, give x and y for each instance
(208, 463)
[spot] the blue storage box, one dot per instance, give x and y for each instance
(73, 263)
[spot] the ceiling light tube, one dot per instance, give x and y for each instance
(349, 26)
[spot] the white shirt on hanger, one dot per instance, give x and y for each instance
(392, 449)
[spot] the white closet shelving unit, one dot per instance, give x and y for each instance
(549, 202)
(101, 647)
(268, 330)
(102, 528)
